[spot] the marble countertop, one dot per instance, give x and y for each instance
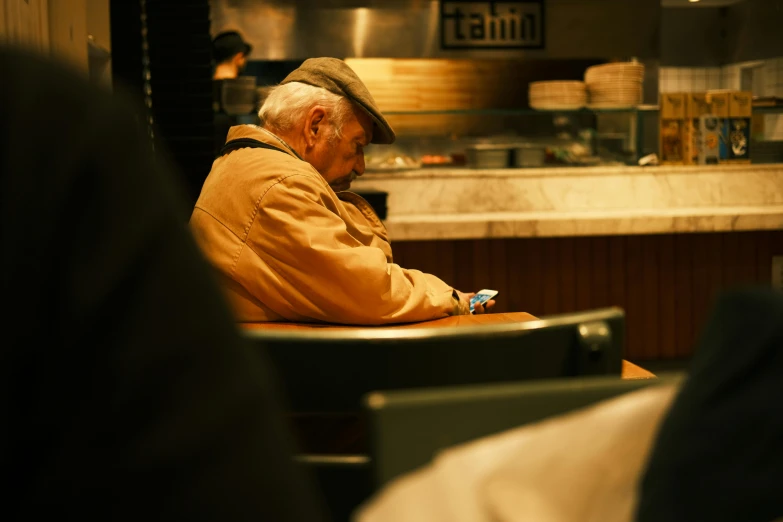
(450, 203)
(596, 223)
(549, 172)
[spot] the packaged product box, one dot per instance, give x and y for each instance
(709, 140)
(738, 127)
(672, 119)
(740, 104)
(696, 106)
(719, 104)
(672, 106)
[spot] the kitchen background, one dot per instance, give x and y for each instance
(684, 46)
(428, 91)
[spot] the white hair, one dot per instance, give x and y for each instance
(289, 103)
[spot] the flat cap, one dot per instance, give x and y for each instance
(337, 77)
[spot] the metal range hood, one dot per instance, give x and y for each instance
(298, 29)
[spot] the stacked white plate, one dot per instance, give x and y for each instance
(614, 85)
(557, 95)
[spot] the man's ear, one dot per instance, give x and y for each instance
(314, 125)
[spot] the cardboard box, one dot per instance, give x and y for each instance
(672, 120)
(737, 136)
(709, 140)
(696, 106)
(671, 143)
(719, 102)
(737, 128)
(672, 106)
(740, 104)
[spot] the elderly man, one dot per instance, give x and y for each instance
(276, 221)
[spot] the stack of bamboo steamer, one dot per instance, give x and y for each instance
(427, 96)
(399, 84)
(557, 95)
(615, 85)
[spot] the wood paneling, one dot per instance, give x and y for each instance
(667, 297)
(25, 23)
(683, 295)
(68, 32)
(665, 283)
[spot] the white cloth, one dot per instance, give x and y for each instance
(583, 466)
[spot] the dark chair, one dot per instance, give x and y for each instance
(326, 373)
(407, 428)
(331, 370)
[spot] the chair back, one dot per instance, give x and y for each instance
(408, 428)
(331, 370)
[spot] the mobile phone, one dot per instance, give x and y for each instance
(482, 296)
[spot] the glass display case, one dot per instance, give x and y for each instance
(584, 137)
(529, 137)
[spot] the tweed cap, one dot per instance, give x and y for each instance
(337, 77)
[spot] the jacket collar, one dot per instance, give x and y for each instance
(258, 133)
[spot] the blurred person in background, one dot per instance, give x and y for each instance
(719, 453)
(229, 52)
(127, 394)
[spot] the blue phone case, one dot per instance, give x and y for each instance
(479, 298)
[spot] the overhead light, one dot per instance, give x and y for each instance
(693, 1)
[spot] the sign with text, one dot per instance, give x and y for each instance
(466, 24)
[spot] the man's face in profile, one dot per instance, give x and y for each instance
(341, 159)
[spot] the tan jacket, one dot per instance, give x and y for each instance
(286, 247)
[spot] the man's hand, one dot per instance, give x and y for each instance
(464, 300)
